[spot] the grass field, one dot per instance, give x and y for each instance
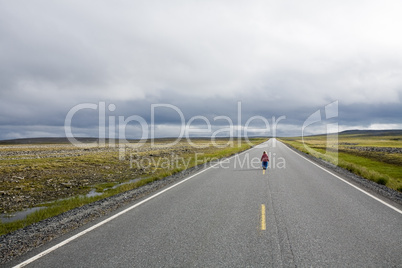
(60, 176)
(372, 155)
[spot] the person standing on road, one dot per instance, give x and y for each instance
(264, 160)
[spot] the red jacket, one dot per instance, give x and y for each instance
(264, 158)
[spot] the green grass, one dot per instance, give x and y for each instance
(53, 209)
(60, 206)
(381, 167)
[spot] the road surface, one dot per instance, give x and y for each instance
(232, 215)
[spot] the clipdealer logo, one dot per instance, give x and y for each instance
(113, 129)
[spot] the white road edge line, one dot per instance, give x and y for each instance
(43, 253)
(345, 181)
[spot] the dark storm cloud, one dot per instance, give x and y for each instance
(278, 58)
(364, 115)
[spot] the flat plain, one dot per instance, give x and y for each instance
(61, 176)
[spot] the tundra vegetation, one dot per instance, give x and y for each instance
(60, 177)
(374, 155)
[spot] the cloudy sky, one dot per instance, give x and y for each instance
(164, 64)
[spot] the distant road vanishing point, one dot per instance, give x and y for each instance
(231, 215)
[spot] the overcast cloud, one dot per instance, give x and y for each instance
(206, 58)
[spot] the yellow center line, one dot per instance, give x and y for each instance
(263, 224)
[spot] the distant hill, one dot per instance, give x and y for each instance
(390, 132)
(363, 133)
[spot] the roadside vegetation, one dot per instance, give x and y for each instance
(367, 154)
(60, 177)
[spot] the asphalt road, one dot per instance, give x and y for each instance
(233, 215)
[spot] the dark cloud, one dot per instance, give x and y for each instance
(203, 57)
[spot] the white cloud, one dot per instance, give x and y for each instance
(385, 126)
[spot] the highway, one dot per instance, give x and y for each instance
(233, 215)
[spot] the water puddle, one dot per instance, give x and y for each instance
(20, 215)
(92, 193)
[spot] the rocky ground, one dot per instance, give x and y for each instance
(31, 175)
(390, 150)
(389, 155)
